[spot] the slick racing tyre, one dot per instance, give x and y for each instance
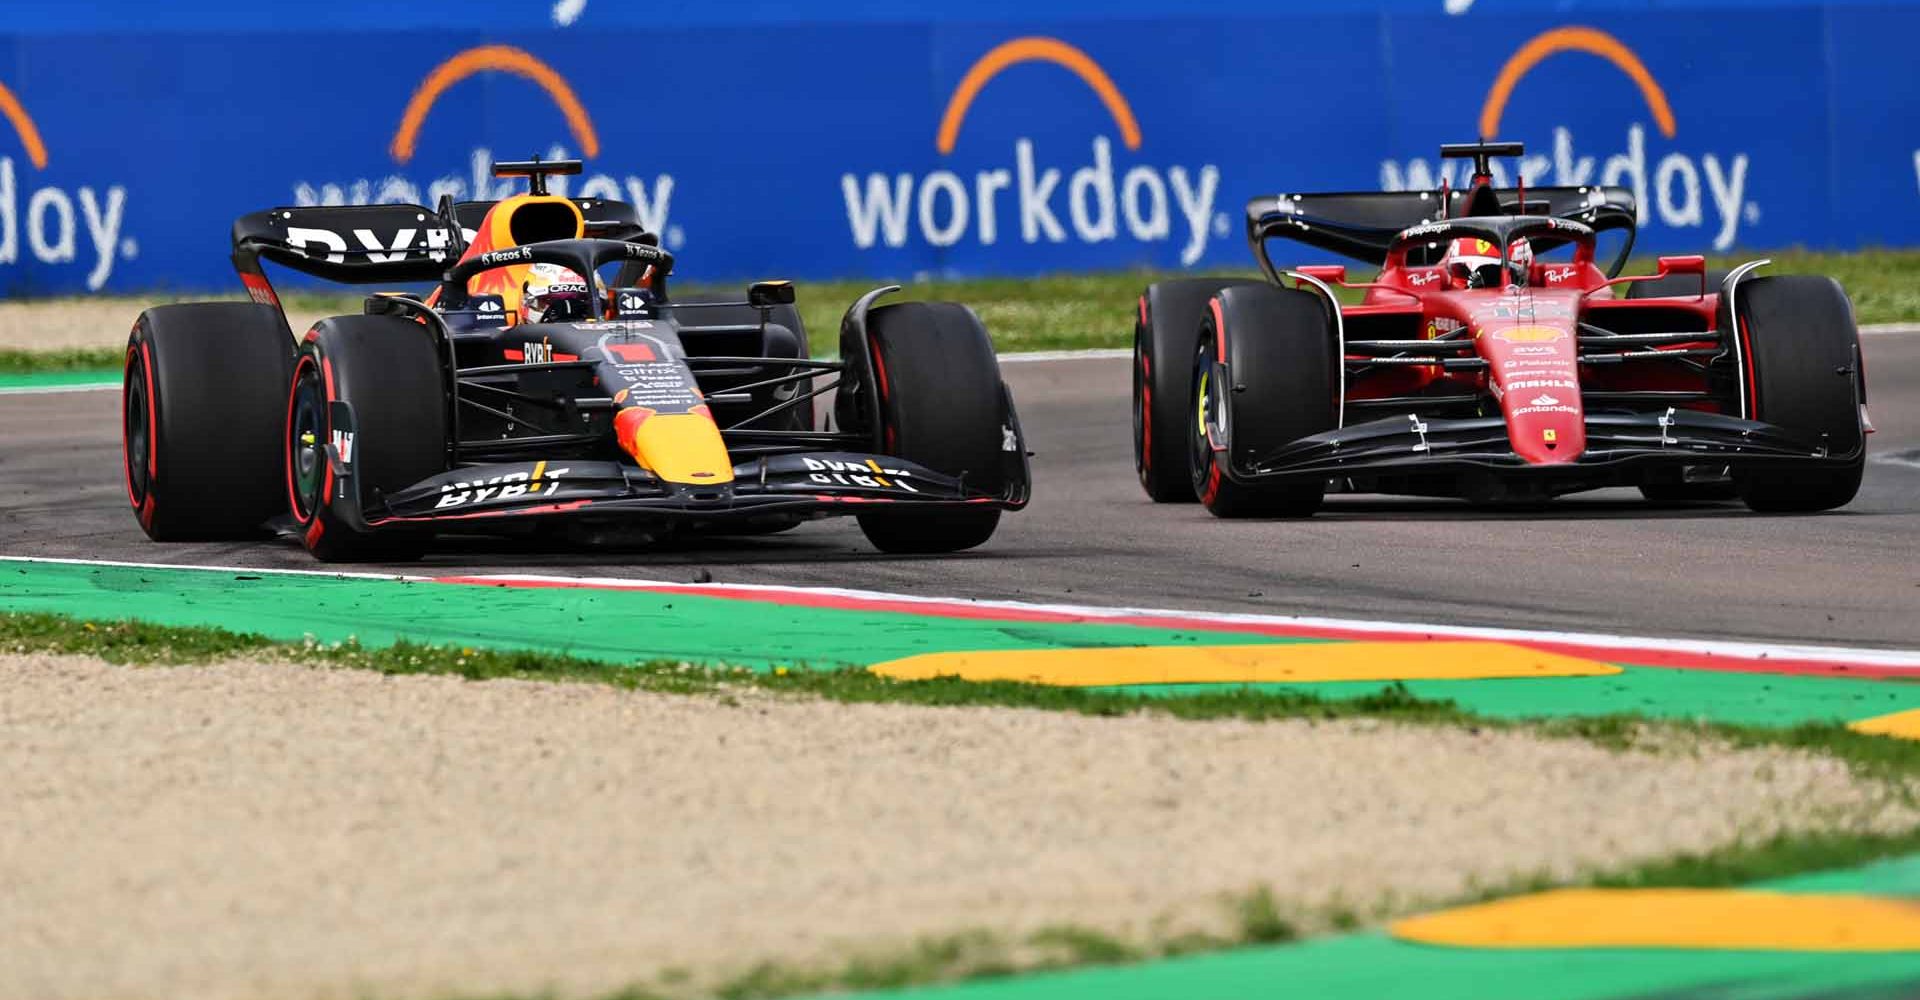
(1677, 285)
(1166, 330)
(1263, 375)
(790, 344)
(1802, 360)
(387, 371)
(942, 406)
(200, 419)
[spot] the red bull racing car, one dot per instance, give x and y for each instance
(524, 390)
(1492, 359)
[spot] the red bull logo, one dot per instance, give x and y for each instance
(651, 197)
(46, 222)
(1679, 189)
(1029, 200)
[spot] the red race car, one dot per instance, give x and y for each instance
(1492, 359)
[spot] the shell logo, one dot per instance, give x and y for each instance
(1099, 202)
(1680, 189)
(54, 220)
(1529, 334)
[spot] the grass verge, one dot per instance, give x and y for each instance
(1067, 312)
(67, 359)
(137, 642)
(1251, 918)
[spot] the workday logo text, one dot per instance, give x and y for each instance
(1674, 187)
(474, 180)
(1033, 196)
(55, 225)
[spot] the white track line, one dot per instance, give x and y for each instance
(236, 570)
(1091, 354)
(48, 390)
(1735, 650)
(1751, 651)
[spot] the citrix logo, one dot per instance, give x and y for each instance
(1102, 199)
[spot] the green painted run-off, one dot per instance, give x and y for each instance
(1377, 967)
(52, 380)
(629, 625)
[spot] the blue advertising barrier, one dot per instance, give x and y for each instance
(881, 141)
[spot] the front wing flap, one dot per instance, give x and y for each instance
(1413, 444)
(825, 482)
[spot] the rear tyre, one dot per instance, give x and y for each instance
(388, 371)
(1802, 355)
(943, 407)
(1166, 331)
(200, 417)
(1274, 386)
(1677, 285)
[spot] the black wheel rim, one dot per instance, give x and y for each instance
(138, 433)
(307, 442)
(1200, 450)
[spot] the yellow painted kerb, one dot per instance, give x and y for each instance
(1736, 919)
(1278, 663)
(1905, 725)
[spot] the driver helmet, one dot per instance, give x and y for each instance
(1475, 263)
(554, 294)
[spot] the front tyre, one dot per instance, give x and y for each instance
(387, 371)
(1166, 331)
(1802, 355)
(941, 406)
(1262, 377)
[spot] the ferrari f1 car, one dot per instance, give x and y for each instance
(1522, 380)
(472, 409)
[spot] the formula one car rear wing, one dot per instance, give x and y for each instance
(397, 243)
(364, 244)
(1362, 225)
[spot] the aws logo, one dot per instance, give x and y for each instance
(477, 182)
(54, 219)
(1099, 201)
(1679, 189)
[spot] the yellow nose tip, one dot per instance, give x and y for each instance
(677, 447)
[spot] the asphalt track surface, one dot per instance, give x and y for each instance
(1599, 562)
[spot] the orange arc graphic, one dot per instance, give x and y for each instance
(23, 125)
(492, 58)
(1035, 49)
(1589, 40)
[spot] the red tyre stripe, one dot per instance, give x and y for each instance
(1219, 329)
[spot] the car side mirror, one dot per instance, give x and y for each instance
(1332, 274)
(1691, 263)
(770, 293)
